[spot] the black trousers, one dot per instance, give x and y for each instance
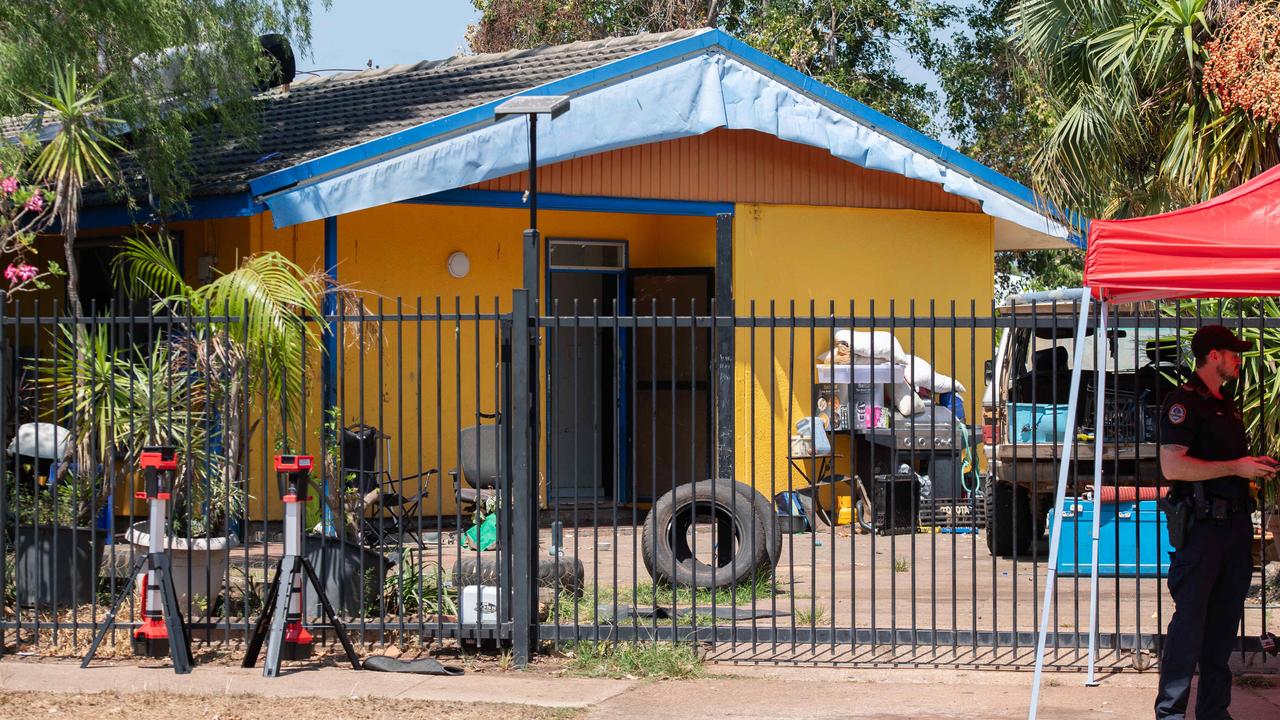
(1208, 579)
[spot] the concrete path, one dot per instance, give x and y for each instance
(744, 692)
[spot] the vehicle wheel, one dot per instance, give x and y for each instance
(1009, 522)
(741, 545)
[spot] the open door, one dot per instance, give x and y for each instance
(671, 377)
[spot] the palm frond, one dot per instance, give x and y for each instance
(146, 268)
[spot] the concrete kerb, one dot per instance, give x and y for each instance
(326, 682)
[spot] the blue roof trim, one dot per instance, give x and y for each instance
(481, 113)
(206, 208)
(578, 203)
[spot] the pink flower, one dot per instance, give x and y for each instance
(9, 185)
(20, 273)
(35, 203)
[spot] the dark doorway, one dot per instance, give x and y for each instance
(672, 379)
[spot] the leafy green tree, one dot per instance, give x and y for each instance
(997, 114)
(850, 45)
(166, 69)
(1132, 128)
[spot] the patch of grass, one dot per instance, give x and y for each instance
(416, 587)
(633, 660)
(901, 565)
(649, 594)
(811, 616)
(1254, 681)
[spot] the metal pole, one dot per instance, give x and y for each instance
(533, 171)
(1064, 465)
(520, 486)
(329, 372)
(532, 241)
(1100, 373)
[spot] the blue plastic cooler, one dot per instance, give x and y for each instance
(1133, 540)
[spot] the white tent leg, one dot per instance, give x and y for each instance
(1064, 465)
(1100, 374)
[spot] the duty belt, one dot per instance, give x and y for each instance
(1211, 506)
(1217, 508)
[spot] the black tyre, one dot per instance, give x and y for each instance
(563, 573)
(764, 519)
(1010, 525)
(742, 544)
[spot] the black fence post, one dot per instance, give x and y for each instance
(522, 488)
(723, 338)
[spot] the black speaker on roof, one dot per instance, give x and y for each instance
(280, 68)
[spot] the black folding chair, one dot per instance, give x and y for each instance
(390, 511)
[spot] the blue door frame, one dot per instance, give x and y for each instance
(622, 481)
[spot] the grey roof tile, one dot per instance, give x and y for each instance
(320, 115)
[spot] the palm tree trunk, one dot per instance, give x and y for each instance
(69, 212)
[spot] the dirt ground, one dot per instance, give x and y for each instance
(158, 706)
(838, 578)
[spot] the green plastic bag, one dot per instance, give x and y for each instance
(484, 535)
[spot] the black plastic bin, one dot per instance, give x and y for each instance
(55, 566)
(897, 504)
(349, 573)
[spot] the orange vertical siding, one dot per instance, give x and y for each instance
(739, 166)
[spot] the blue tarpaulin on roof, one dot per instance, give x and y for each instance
(708, 91)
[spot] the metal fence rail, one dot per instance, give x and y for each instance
(619, 473)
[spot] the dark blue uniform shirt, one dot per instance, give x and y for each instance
(1211, 428)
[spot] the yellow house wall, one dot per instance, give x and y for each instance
(398, 252)
(835, 255)
(781, 252)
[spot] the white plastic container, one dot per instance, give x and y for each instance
(857, 373)
(478, 604)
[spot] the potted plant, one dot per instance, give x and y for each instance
(118, 401)
(56, 551)
(269, 304)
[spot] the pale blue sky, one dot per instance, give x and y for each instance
(388, 32)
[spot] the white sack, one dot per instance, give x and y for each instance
(40, 440)
(881, 345)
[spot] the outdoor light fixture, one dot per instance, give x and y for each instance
(459, 264)
(531, 106)
(553, 105)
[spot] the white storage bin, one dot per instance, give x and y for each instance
(857, 373)
(478, 604)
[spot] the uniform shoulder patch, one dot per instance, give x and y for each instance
(1177, 413)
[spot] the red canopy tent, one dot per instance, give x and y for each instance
(1225, 247)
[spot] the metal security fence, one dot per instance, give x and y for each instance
(865, 484)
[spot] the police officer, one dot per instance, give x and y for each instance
(1205, 454)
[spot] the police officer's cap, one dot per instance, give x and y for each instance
(1216, 337)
